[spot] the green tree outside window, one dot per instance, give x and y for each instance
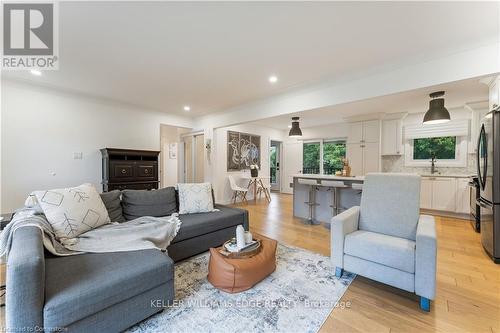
(333, 153)
(444, 148)
(310, 158)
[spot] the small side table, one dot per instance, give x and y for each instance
(6, 218)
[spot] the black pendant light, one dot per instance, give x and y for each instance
(437, 113)
(295, 131)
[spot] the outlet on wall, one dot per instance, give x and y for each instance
(77, 156)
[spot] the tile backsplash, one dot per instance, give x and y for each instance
(397, 164)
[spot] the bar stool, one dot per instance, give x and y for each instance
(334, 186)
(358, 187)
(311, 200)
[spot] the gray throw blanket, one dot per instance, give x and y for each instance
(142, 233)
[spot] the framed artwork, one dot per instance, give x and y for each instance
(243, 150)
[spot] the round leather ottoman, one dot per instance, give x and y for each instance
(237, 275)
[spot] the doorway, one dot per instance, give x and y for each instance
(194, 150)
(274, 163)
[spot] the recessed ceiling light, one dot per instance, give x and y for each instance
(36, 72)
(187, 108)
(273, 79)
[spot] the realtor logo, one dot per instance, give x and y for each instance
(29, 36)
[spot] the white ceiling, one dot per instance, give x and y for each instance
(212, 56)
(457, 94)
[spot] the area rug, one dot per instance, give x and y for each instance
(297, 297)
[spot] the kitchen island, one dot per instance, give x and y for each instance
(348, 197)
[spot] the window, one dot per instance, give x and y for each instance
(451, 151)
(323, 157)
(443, 148)
(311, 158)
(333, 155)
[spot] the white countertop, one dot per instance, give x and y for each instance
(446, 175)
(309, 176)
(361, 178)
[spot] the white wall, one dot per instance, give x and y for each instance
(171, 168)
(42, 128)
(218, 159)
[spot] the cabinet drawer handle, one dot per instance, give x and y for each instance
(124, 171)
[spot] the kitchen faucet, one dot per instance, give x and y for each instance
(433, 163)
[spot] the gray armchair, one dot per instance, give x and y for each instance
(386, 239)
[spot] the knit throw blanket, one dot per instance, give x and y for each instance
(142, 233)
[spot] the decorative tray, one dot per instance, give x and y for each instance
(247, 252)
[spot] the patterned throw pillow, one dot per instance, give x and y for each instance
(73, 211)
(195, 198)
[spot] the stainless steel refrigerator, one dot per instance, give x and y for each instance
(488, 172)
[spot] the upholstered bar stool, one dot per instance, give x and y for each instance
(311, 200)
(334, 186)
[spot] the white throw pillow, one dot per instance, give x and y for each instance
(195, 198)
(73, 211)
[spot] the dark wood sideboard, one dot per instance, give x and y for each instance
(129, 169)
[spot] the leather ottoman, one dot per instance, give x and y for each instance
(237, 275)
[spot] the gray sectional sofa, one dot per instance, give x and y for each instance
(107, 292)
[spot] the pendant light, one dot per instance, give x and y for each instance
(437, 113)
(295, 131)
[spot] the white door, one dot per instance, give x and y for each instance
(354, 154)
(188, 160)
(443, 194)
(355, 134)
(199, 160)
(371, 131)
(426, 193)
(371, 157)
(274, 165)
(292, 157)
(463, 196)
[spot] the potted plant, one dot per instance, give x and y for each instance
(254, 170)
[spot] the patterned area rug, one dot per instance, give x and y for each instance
(297, 297)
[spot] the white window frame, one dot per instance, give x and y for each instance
(460, 161)
(321, 141)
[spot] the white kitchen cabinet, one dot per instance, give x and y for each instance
(355, 134)
(462, 198)
(444, 194)
(354, 153)
(426, 193)
(364, 131)
(391, 137)
(371, 157)
(363, 147)
(371, 131)
(363, 158)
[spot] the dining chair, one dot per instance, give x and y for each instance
(238, 191)
(264, 186)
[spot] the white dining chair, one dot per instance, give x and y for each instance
(264, 186)
(238, 191)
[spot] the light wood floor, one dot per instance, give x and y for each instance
(468, 282)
